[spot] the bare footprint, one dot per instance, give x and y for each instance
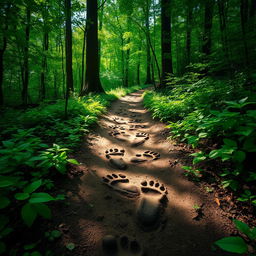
(135, 120)
(139, 139)
(137, 126)
(115, 158)
(121, 246)
(121, 184)
(115, 127)
(119, 135)
(146, 156)
(119, 120)
(151, 206)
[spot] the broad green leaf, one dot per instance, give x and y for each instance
(33, 186)
(230, 143)
(40, 198)
(56, 233)
(214, 153)
(243, 227)
(4, 202)
(21, 196)
(28, 214)
(73, 161)
(7, 181)
(232, 244)
(43, 210)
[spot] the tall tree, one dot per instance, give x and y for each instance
(146, 10)
(207, 31)
(25, 68)
(166, 49)
(92, 76)
(68, 48)
(188, 31)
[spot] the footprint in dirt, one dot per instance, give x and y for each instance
(146, 156)
(119, 120)
(122, 136)
(139, 139)
(115, 127)
(121, 184)
(136, 140)
(115, 158)
(137, 126)
(151, 206)
(121, 246)
(135, 120)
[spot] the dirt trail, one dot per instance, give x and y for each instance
(151, 201)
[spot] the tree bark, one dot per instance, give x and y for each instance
(25, 79)
(44, 63)
(244, 14)
(166, 49)
(92, 76)
(68, 49)
(188, 32)
(207, 33)
(148, 76)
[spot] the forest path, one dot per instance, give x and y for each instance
(163, 224)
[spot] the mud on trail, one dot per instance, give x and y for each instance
(129, 200)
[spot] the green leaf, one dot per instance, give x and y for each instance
(4, 202)
(40, 198)
(28, 214)
(230, 143)
(43, 210)
(7, 181)
(239, 156)
(214, 153)
(73, 161)
(33, 186)
(21, 196)
(232, 244)
(243, 227)
(70, 246)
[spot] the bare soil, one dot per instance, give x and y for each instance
(98, 207)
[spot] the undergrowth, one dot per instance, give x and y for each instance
(218, 117)
(33, 152)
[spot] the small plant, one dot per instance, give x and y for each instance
(52, 235)
(237, 244)
(56, 157)
(208, 189)
(194, 174)
(247, 196)
(35, 203)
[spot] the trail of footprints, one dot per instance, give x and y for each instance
(152, 195)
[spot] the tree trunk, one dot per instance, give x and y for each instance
(127, 62)
(68, 48)
(188, 33)
(166, 49)
(207, 33)
(148, 76)
(24, 93)
(83, 52)
(44, 63)
(100, 27)
(222, 8)
(92, 77)
(244, 14)
(138, 66)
